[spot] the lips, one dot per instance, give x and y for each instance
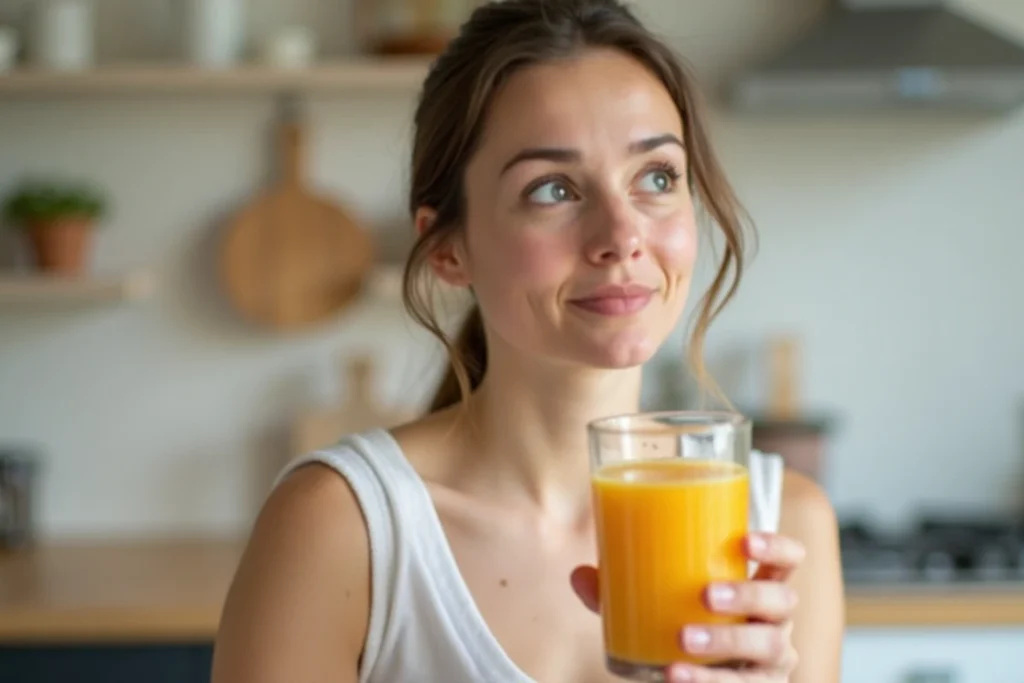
(615, 300)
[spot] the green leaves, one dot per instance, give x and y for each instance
(37, 201)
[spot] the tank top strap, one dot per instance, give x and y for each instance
(766, 477)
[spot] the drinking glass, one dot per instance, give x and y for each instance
(671, 498)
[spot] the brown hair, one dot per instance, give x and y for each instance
(498, 38)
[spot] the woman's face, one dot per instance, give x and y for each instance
(580, 233)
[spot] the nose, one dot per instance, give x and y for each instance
(616, 236)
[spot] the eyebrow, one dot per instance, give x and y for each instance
(566, 155)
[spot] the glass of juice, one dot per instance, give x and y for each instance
(671, 502)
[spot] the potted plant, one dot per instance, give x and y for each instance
(59, 219)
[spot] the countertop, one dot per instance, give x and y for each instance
(152, 591)
(173, 591)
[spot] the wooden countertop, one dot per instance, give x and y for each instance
(172, 591)
(169, 591)
(926, 606)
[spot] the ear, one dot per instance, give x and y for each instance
(448, 259)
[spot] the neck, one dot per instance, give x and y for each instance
(527, 428)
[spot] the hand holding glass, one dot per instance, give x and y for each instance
(671, 496)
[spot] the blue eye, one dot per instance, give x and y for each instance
(551, 192)
(658, 181)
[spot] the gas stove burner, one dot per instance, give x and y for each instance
(938, 550)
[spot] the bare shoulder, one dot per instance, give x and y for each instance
(808, 516)
(805, 505)
(298, 607)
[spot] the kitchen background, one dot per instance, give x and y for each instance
(890, 248)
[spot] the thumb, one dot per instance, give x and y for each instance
(584, 583)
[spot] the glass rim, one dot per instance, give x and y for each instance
(632, 423)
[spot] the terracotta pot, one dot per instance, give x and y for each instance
(63, 245)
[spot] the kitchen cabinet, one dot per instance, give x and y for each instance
(114, 612)
(108, 663)
(939, 653)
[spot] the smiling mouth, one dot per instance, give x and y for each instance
(615, 304)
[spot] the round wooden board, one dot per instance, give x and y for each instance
(291, 258)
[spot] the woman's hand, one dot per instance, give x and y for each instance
(759, 651)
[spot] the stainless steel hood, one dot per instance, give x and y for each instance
(889, 55)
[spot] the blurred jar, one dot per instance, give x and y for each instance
(410, 27)
(290, 47)
(62, 34)
(215, 31)
(8, 47)
(19, 468)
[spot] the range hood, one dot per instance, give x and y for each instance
(889, 55)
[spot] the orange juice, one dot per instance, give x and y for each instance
(665, 528)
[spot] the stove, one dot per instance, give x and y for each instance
(936, 550)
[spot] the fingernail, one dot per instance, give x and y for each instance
(758, 544)
(696, 638)
(721, 595)
(682, 676)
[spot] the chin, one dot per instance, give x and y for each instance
(616, 354)
(616, 342)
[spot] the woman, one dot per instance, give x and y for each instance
(558, 159)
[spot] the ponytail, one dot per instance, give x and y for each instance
(467, 363)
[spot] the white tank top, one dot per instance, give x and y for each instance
(424, 624)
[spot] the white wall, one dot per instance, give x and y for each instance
(891, 244)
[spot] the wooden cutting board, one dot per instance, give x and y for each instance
(783, 379)
(360, 410)
(293, 258)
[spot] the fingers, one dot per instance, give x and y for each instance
(761, 600)
(687, 673)
(777, 555)
(761, 644)
(584, 583)
(760, 650)
(776, 670)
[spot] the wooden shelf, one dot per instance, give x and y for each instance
(397, 74)
(34, 289)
